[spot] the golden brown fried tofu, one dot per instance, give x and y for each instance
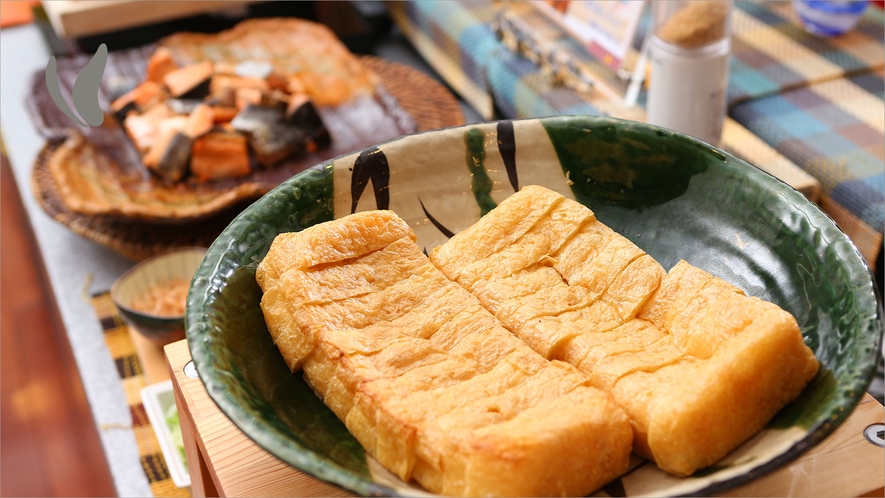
(671, 408)
(544, 238)
(634, 286)
(321, 244)
(425, 377)
(658, 341)
(682, 284)
(585, 351)
(502, 227)
(562, 275)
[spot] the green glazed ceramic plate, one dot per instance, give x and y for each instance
(673, 196)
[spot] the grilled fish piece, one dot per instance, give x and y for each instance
(271, 137)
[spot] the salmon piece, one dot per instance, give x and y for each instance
(169, 154)
(271, 137)
(192, 81)
(225, 68)
(142, 97)
(297, 110)
(223, 114)
(219, 155)
(225, 88)
(246, 96)
(234, 81)
(296, 86)
(223, 83)
(166, 129)
(277, 81)
(424, 377)
(200, 121)
(142, 128)
(159, 65)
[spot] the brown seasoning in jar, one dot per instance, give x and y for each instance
(697, 24)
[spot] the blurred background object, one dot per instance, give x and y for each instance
(690, 46)
(830, 18)
(152, 295)
(15, 12)
(76, 19)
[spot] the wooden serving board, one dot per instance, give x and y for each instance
(78, 18)
(225, 462)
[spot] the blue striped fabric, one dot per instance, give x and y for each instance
(827, 138)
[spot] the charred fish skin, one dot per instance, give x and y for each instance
(270, 135)
(174, 161)
(184, 105)
(121, 113)
(302, 113)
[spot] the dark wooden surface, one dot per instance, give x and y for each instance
(49, 444)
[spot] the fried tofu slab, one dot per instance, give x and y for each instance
(674, 348)
(425, 378)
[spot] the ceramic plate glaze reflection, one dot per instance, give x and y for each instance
(673, 196)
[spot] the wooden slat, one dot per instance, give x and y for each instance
(74, 19)
(236, 465)
(845, 464)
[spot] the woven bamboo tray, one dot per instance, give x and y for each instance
(428, 102)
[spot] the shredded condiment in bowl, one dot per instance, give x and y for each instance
(164, 299)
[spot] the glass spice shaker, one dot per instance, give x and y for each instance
(690, 45)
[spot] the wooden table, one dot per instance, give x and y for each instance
(225, 462)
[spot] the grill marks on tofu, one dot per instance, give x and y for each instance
(576, 291)
(424, 376)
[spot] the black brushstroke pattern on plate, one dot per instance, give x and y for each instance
(370, 165)
(445, 231)
(507, 148)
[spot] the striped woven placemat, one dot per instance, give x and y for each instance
(129, 368)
